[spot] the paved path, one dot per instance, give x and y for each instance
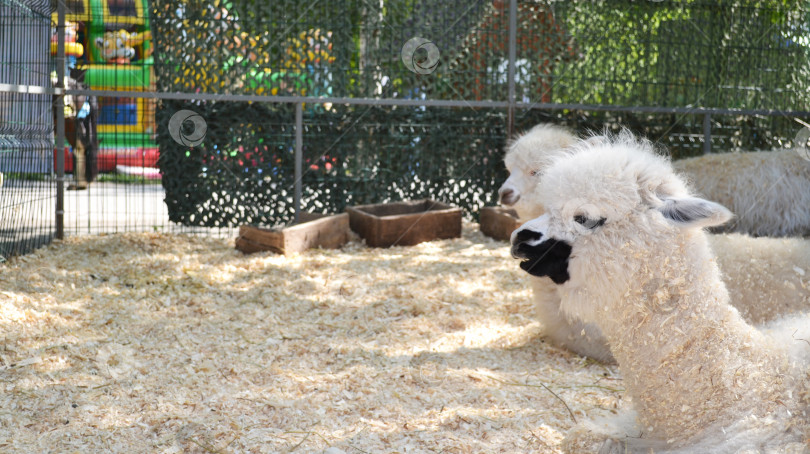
(115, 207)
(27, 212)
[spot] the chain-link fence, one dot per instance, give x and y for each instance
(26, 128)
(199, 102)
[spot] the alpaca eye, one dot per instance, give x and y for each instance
(534, 173)
(589, 223)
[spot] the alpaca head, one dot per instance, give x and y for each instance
(614, 209)
(525, 159)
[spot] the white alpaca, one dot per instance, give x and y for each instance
(526, 159)
(769, 191)
(767, 278)
(622, 239)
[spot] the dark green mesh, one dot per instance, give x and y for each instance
(243, 172)
(724, 54)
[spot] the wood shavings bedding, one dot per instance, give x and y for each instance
(159, 343)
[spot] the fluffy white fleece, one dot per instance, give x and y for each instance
(701, 379)
(768, 191)
(766, 277)
(526, 159)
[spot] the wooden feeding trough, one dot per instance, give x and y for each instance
(498, 222)
(405, 223)
(314, 230)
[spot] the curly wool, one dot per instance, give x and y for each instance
(767, 278)
(769, 191)
(526, 158)
(700, 377)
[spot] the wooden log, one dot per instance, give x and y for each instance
(328, 232)
(405, 223)
(498, 222)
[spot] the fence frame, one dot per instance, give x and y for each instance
(59, 105)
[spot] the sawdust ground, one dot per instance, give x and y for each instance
(160, 343)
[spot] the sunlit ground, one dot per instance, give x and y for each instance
(157, 343)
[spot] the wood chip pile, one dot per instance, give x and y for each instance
(159, 343)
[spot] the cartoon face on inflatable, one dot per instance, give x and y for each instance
(118, 46)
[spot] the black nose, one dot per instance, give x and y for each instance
(508, 196)
(520, 247)
(549, 258)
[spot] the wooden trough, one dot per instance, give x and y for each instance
(498, 222)
(405, 223)
(313, 231)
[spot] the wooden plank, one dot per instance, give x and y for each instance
(362, 224)
(324, 231)
(256, 239)
(405, 223)
(329, 233)
(498, 222)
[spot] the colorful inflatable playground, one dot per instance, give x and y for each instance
(109, 47)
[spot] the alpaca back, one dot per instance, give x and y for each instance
(768, 191)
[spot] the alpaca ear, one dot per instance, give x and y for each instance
(694, 212)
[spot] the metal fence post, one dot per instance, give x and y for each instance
(707, 133)
(299, 144)
(59, 105)
(510, 115)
